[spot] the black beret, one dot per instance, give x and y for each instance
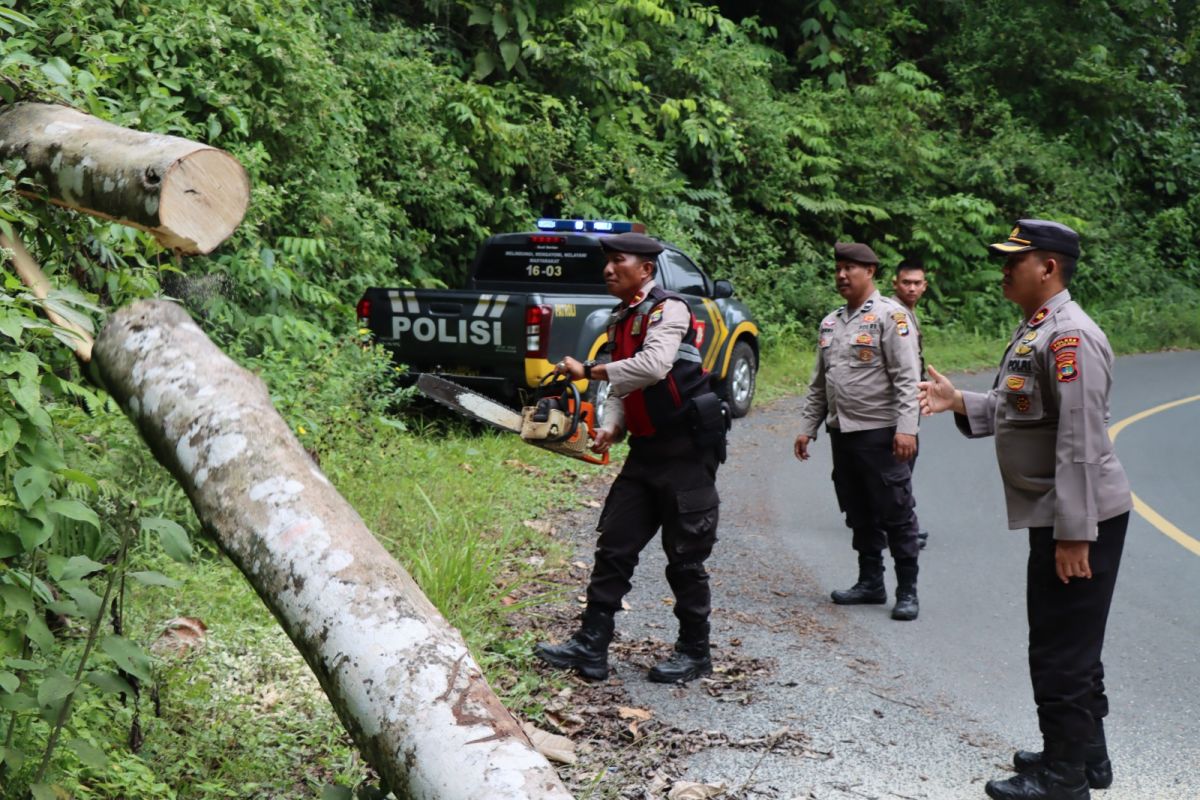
(1038, 234)
(639, 244)
(854, 251)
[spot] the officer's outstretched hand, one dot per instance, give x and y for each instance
(939, 395)
(904, 447)
(1071, 560)
(802, 447)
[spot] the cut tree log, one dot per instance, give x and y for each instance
(399, 676)
(190, 196)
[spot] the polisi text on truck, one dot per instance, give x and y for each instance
(450, 331)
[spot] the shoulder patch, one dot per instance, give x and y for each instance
(1064, 341)
(1065, 367)
(655, 316)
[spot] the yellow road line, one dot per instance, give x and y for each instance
(1149, 514)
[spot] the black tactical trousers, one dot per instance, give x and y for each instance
(1066, 635)
(875, 492)
(666, 482)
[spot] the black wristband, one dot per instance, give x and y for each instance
(587, 368)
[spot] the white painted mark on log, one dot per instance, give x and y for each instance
(151, 204)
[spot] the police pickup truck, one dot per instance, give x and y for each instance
(536, 297)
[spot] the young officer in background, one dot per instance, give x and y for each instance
(864, 387)
(1048, 409)
(908, 287)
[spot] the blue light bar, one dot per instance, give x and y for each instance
(589, 225)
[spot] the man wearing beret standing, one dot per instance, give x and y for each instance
(864, 387)
(1048, 409)
(661, 396)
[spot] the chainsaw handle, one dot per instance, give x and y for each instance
(573, 406)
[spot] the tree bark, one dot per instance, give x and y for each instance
(188, 195)
(401, 679)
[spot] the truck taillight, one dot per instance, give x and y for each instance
(364, 308)
(537, 331)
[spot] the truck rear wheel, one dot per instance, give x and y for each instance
(597, 394)
(738, 387)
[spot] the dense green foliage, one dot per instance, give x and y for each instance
(385, 140)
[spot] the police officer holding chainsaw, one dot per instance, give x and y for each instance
(662, 398)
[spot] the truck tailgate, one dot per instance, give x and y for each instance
(450, 329)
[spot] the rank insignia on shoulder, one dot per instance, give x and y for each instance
(863, 338)
(1029, 337)
(1015, 382)
(1064, 341)
(1038, 317)
(1023, 349)
(1067, 371)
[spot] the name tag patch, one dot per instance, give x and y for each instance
(1065, 341)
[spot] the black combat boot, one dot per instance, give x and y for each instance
(906, 607)
(869, 588)
(587, 650)
(1096, 766)
(1053, 778)
(691, 658)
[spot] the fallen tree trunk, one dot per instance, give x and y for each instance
(190, 196)
(400, 678)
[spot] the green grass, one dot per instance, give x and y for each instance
(466, 513)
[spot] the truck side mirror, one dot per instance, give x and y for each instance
(722, 288)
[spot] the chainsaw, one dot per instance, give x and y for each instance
(559, 420)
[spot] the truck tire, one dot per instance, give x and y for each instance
(597, 393)
(738, 387)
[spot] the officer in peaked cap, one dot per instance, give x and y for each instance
(864, 388)
(662, 398)
(1048, 409)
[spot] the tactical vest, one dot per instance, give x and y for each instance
(661, 406)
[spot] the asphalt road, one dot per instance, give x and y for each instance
(933, 708)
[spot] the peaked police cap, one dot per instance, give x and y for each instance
(1038, 234)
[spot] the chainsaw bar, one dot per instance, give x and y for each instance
(468, 403)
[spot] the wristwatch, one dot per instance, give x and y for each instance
(587, 368)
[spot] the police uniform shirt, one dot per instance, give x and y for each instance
(1049, 413)
(667, 324)
(916, 326)
(866, 372)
